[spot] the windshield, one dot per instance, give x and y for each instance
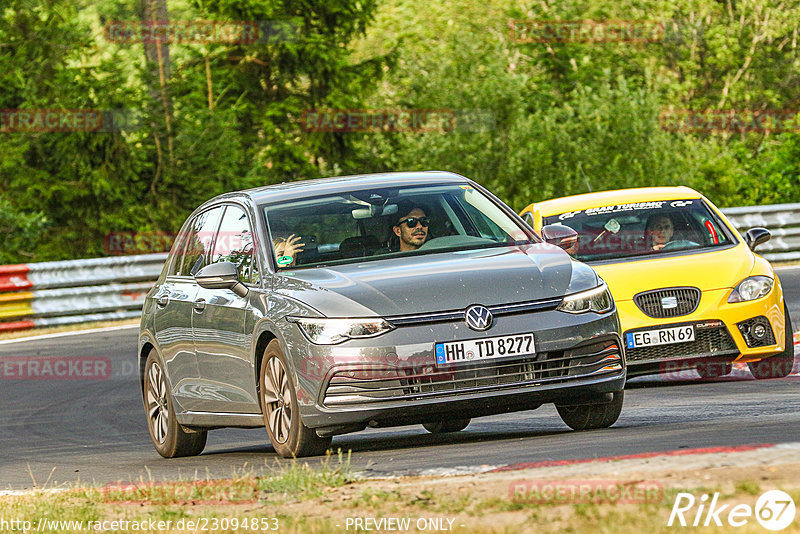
(380, 223)
(643, 228)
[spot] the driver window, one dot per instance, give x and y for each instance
(234, 243)
(198, 247)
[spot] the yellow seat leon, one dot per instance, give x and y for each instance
(691, 292)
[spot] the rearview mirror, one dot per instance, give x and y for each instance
(222, 275)
(757, 236)
(561, 236)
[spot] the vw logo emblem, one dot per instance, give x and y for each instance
(478, 317)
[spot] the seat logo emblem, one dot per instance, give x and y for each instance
(669, 303)
(478, 317)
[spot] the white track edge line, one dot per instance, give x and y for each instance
(71, 333)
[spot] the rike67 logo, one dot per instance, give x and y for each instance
(774, 510)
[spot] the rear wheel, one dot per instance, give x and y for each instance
(170, 438)
(289, 436)
(452, 425)
(778, 366)
(590, 416)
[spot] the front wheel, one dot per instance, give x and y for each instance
(169, 437)
(289, 436)
(780, 365)
(590, 416)
(440, 427)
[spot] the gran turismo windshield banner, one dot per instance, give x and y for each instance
(643, 229)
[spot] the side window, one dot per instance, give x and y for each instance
(234, 243)
(198, 247)
(176, 253)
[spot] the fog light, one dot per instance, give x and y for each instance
(759, 331)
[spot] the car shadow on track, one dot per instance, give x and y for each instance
(386, 440)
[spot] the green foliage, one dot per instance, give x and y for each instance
(574, 117)
(547, 119)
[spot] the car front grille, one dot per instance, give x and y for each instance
(354, 385)
(709, 341)
(684, 300)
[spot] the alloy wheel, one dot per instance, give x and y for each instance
(157, 406)
(278, 400)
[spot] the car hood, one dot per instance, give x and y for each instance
(438, 282)
(706, 271)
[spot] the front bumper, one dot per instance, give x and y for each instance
(725, 343)
(393, 379)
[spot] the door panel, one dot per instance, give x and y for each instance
(221, 342)
(174, 302)
(173, 333)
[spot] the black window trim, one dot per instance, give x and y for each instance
(244, 207)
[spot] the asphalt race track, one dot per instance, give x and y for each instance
(56, 431)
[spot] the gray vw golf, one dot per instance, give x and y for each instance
(321, 307)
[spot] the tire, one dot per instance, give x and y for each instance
(591, 416)
(170, 439)
(780, 365)
(289, 436)
(713, 369)
(440, 427)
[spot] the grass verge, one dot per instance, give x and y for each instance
(326, 496)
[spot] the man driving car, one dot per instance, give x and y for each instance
(411, 228)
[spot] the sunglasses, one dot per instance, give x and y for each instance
(412, 222)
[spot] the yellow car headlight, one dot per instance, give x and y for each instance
(752, 288)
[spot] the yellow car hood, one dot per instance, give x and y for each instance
(706, 271)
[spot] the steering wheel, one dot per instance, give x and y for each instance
(679, 243)
(454, 241)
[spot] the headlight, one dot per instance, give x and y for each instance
(598, 300)
(752, 288)
(323, 331)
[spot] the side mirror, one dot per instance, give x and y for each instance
(561, 236)
(221, 275)
(757, 236)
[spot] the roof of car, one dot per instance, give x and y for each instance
(335, 184)
(619, 196)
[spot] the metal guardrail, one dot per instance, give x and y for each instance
(76, 291)
(782, 220)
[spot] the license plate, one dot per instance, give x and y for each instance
(484, 349)
(663, 336)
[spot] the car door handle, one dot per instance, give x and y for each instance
(162, 301)
(200, 305)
